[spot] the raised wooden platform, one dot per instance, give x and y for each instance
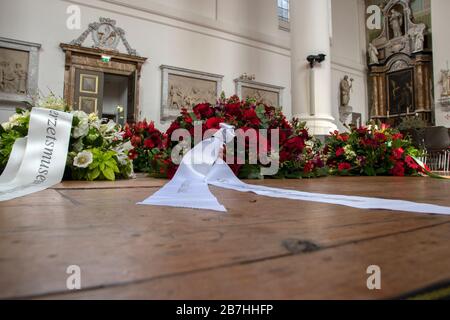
(254, 251)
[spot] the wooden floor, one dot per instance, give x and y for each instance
(262, 248)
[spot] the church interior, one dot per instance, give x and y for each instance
(358, 91)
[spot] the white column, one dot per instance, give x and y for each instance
(310, 35)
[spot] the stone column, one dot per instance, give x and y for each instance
(310, 35)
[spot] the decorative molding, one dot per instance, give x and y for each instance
(241, 83)
(166, 71)
(33, 68)
(105, 35)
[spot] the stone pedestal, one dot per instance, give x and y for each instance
(345, 115)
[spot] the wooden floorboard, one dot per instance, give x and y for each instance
(130, 251)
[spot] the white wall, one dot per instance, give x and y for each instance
(163, 38)
(348, 55)
(441, 54)
(227, 37)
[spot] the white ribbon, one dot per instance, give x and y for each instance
(38, 161)
(202, 166)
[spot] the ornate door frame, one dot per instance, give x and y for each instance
(90, 59)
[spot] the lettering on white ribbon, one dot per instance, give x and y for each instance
(47, 153)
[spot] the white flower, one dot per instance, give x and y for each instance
(122, 151)
(108, 127)
(7, 126)
(82, 128)
(83, 159)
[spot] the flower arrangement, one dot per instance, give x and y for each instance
(298, 154)
(372, 151)
(97, 150)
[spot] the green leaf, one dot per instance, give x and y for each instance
(250, 171)
(109, 174)
(93, 174)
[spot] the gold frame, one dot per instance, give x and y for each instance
(82, 77)
(88, 98)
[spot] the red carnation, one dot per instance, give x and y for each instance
(344, 166)
(214, 123)
(399, 169)
(398, 153)
(340, 152)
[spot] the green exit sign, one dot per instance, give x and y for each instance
(106, 59)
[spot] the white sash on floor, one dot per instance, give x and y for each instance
(38, 161)
(189, 187)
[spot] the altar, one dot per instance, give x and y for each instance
(263, 248)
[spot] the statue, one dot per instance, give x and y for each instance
(419, 40)
(373, 54)
(346, 87)
(396, 22)
(345, 111)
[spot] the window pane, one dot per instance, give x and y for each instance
(283, 10)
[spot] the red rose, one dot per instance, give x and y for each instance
(188, 119)
(295, 143)
(340, 152)
(398, 153)
(380, 137)
(251, 116)
(344, 166)
(233, 109)
(399, 169)
(343, 137)
(309, 166)
(214, 123)
(132, 154)
(204, 110)
(362, 131)
(285, 156)
(397, 136)
(136, 141)
(149, 143)
(174, 126)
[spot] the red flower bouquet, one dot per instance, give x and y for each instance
(297, 152)
(371, 151)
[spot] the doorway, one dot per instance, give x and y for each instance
(108, 95)
(115, 98)
(108, 86)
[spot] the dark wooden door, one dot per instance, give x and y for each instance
(88, 95)
(131, 105)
